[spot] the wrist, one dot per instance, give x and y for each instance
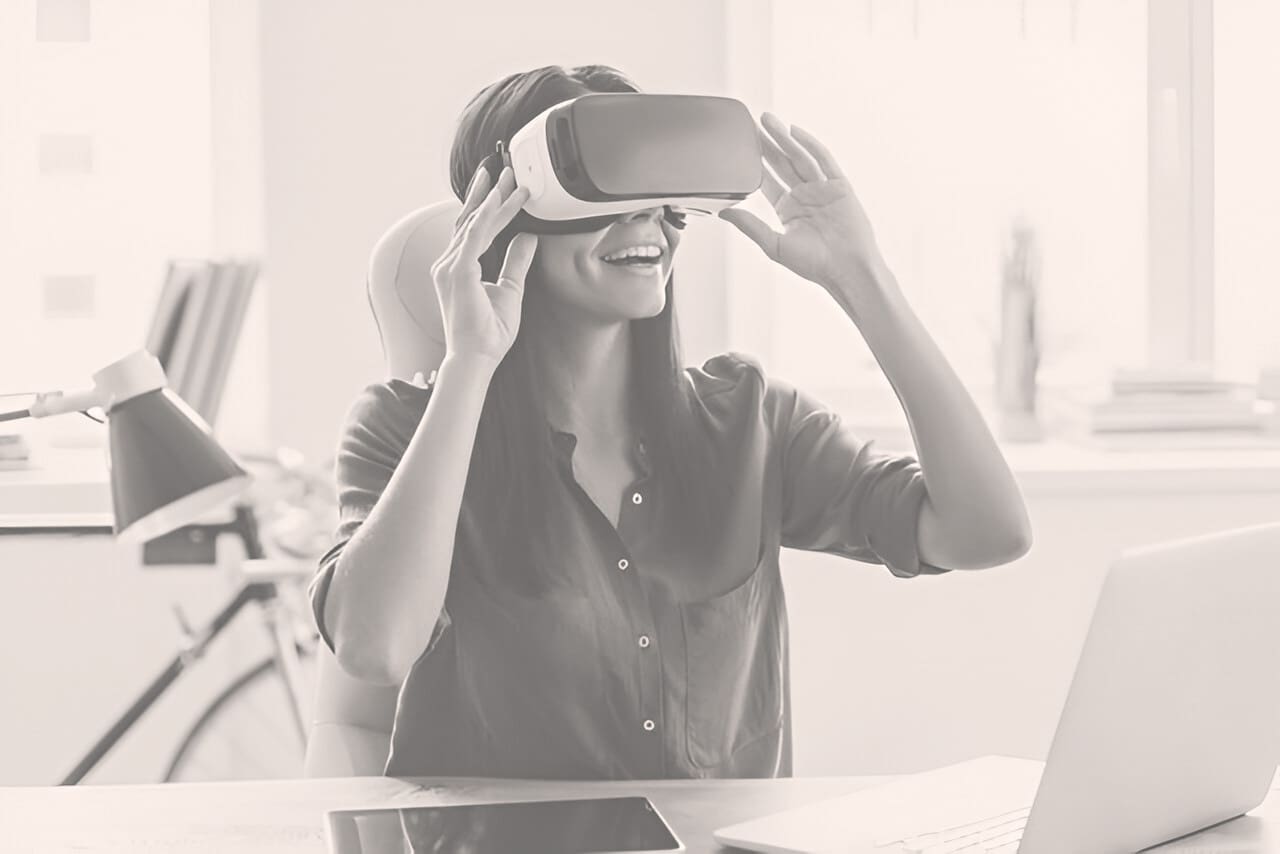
(470, 363)
(867, 292)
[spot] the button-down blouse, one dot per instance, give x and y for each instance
(653, 664)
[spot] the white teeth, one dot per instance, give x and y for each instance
(635, 251)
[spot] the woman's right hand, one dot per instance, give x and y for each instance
(482, 318)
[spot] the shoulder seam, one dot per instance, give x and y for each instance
(740, 359)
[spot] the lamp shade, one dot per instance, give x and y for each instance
(166, 468)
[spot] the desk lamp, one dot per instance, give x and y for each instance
(166, 468)
(166, 472)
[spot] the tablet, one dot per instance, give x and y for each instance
(582, 826)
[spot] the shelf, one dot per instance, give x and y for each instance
(1147, 463)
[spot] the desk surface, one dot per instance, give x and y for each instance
(284, 817)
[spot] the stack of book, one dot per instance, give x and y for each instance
(15, 453)
(1145, 402)
(196, 327)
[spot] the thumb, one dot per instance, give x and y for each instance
(519, 257)
(755, 228)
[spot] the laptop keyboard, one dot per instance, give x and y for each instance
(999, 834)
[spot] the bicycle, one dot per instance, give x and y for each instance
(256, 726)
(238, 735)
(282, 683)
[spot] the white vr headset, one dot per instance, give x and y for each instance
(589, 160)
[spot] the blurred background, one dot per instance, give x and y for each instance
(1079, 197)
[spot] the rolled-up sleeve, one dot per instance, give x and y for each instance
(841, 494)
(375, 434)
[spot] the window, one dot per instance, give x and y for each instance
(104, 174)
(951, 119)
(1247, 188)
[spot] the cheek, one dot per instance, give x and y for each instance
(587, 268)
(567, 271)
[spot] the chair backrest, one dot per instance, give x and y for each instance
(352, 719)
(401, 293)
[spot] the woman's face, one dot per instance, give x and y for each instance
(573, 271)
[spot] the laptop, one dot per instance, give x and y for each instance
(1171, 724)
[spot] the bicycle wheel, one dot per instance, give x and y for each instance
(247, 732)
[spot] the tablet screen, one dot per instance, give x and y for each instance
(583, 826)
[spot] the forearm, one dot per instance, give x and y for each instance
(971, 493)
(389, 585)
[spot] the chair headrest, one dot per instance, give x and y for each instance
(402, 294)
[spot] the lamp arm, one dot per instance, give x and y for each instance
(60, 402)
(135, 374)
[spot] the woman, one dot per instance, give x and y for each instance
(565, 548)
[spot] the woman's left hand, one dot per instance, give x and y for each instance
(827, 238)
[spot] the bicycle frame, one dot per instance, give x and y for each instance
(265, 592)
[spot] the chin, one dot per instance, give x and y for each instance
(656, 308)
(640, 306)
(646, 300)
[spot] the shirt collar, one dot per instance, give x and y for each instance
(565, 442)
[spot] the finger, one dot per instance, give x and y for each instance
(755, 228)
(826, 161)
(775, 157)
(493, 200)
(466, 223)
(475, 194)
(450, 252)
(773, 191)
(478, 234)
(519, 257)
(460, 231)
(490, 221)
(801, 160)
(509, 208)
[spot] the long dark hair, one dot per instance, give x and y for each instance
(513, 464)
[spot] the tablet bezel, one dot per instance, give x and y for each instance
(374, 809)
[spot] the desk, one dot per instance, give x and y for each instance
(63, 488)
(286, 817)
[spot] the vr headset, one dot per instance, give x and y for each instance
(592, 159)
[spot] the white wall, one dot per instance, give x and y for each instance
(359, 107)
(237, 207)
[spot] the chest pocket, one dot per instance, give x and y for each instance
(733, 649)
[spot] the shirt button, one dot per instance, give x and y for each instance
(636, 498)
(623, 564)
(648, 726)
(644, 641)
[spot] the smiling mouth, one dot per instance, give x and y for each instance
(641, 260)
(636, 261)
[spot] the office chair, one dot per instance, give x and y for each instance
(350, 733)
